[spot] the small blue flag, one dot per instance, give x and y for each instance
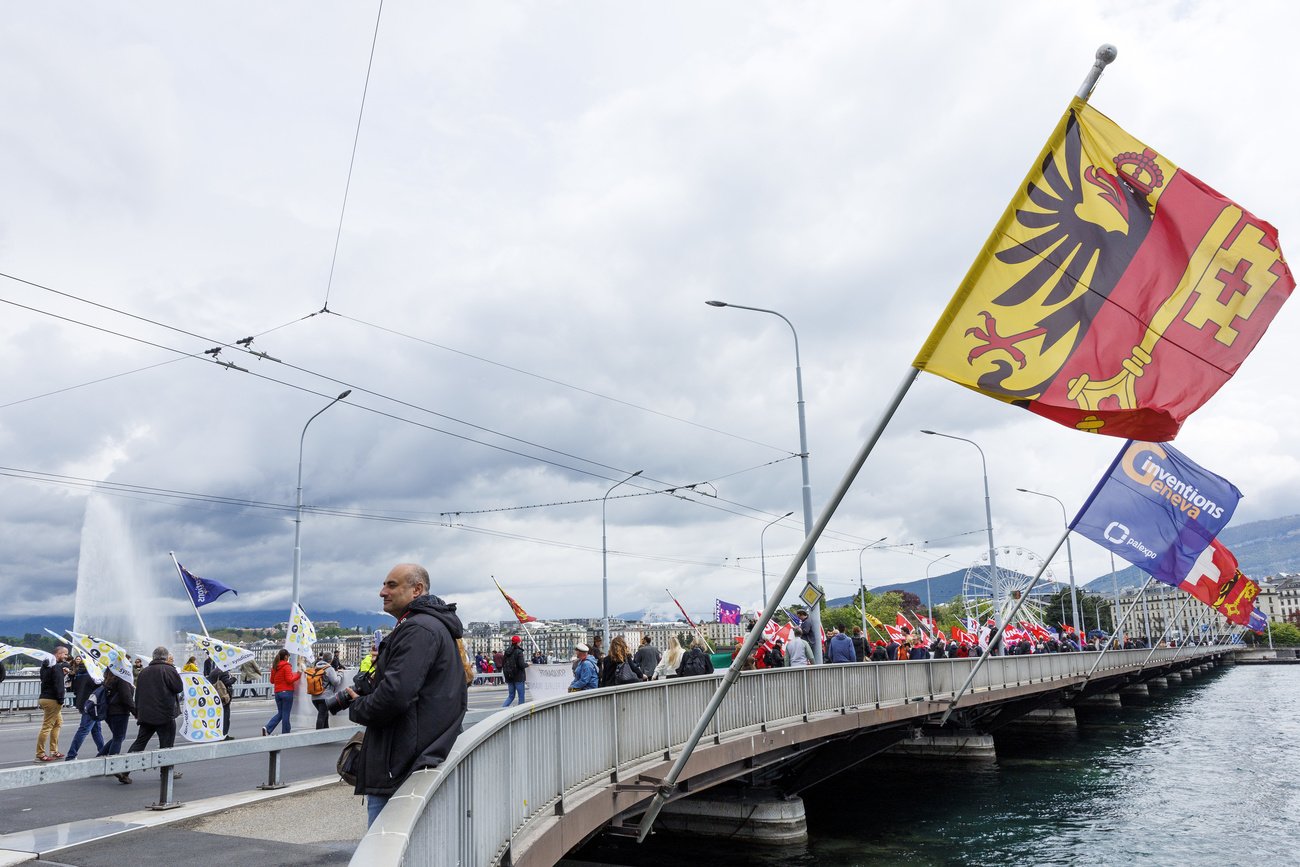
(203, 590)
(1158, 509)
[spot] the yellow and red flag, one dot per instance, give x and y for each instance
(520, 613)
(1215, 580)
(1116, 294)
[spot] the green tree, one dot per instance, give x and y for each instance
(1284, 634)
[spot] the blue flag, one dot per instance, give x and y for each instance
(1157, 509)
(203, 590)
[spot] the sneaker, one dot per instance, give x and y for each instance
(58, 755)
(264, 732)
(45, 758)
(124, 778)
(176, 775)
(228, 738)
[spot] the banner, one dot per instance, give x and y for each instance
(520, 614)
(202, 706)
(224, 656)
(99, 655)
(1116, 294)
(1158, 509)
(301, 635)
(548, 681)
(7, 651)
(725, 612)
(203, 591)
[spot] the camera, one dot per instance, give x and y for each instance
(339, 702)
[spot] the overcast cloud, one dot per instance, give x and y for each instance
(556, 189)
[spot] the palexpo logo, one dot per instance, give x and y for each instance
(1117, 534)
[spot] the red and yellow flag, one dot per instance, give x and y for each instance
(1216, 581)
(1116, 294)
(515, 606)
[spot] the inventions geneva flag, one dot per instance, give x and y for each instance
(1116, 294)
(1158, 509)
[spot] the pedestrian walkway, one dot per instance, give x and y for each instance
(316, 822)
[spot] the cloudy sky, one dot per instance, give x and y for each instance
(542, 198)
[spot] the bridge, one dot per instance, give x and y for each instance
(528, 784)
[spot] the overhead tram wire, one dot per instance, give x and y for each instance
(86, 384)
(374, 40)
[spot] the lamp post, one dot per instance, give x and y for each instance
(988, 515)
(929, 606)
(810, 565)
(604, 557)
(297, 517)
(1069, 555)
(862, 587)
(762, 554)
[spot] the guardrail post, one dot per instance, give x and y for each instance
(762, 693)
(165, 790)
(844, 691)
(273, 780)
(806, 705)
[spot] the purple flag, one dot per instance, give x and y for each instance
(726, 612)
(203, 590)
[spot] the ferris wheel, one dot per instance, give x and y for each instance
(1016, 568)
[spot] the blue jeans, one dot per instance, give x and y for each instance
(514, 689)
(89, 725)
(374, 803)
(117, 726)
(283, 705)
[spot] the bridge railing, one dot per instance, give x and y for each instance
(524, 762)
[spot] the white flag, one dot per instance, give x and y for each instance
(6, 651)
(223, 656)
(202, 709)
(301, 635)
(99, 654)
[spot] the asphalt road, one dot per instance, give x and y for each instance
(51, 804)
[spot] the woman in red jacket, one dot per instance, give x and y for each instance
(283, 677)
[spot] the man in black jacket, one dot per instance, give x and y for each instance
(156, 691)
(515, 670)
(417, 697)
(53, 687)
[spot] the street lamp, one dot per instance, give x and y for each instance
(762, 554)
(810, 565)
(862, 587)
(1069, 555)
(297, 519)
(929, 606)
(988, 515)
(604, 556)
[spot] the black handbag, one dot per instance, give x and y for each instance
(348, 758)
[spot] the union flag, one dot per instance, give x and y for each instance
(1116, 294)
(520, 613)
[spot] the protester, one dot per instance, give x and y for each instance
(805, 629)
(538, 658)
(83, 686)
(249, 672)
(498, 660)
(937, 647)
(774, 657)
(584, 670)
(120, 696)
(223, 684)
(860, 646)
(696, 661)
(157, 691)
(191, 665)
(54, 674)
(841, 647)
(515, 670)
(417, 698)
(283, 677)
(136, 668)
(335, 662)
(365, 671)
(613, 672)
(329, 680)
(878, 653)
(647, 655)
(597, 649)
(797, 651)
(918, 650)
(669, 662)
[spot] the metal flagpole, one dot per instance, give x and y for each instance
(996, 638)
(1115, 632)
(188, 596)
(666, 788)
(1166, 632)
(694, 628)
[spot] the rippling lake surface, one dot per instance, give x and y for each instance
(1207, 773)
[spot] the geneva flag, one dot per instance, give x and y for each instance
(1158, 509)
(1116, 294)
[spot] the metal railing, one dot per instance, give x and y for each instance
(21, 693)
(520, 764)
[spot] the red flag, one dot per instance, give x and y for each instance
(903, 623)
(1215, 580)
(894, 633)
(961, 636)
(520, 613)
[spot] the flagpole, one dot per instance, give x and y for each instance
(188, 595)
(669, 784)
(694, 628)
(1114, 633)
(996, 638)
(1166, 631)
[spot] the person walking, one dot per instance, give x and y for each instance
(283, 677)
(797, 651)
(157, 691)
(696, 661)
(249, 672)
(335, 662)
(121, 707)
(223, 684)
(514, 668)
(54, 673)
(83, 687)
(841, 647)
(323, 682)
(647, 655)
(584, 672)
(418, 695)
(613, 672)
(670, 661)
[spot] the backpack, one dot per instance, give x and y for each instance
(510, 666)
(97, 705)
(692, 664)
(624, 673)
(315, 680)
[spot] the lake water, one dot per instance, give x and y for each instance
(1202, 774)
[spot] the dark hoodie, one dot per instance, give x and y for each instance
(416, 704)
